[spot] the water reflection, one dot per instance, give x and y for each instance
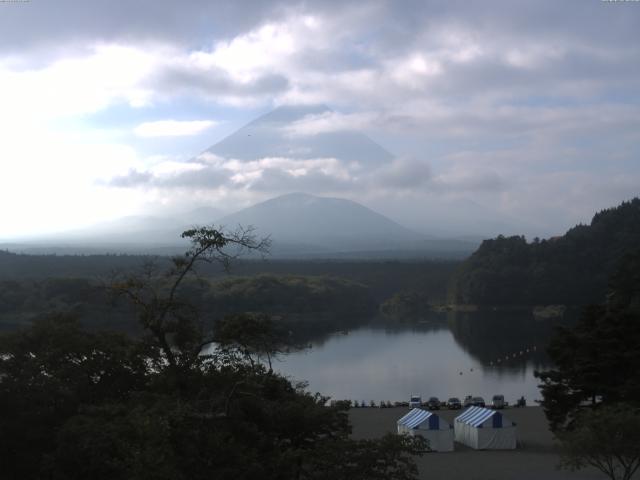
(451, 355)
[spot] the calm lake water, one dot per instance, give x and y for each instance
(463, 355)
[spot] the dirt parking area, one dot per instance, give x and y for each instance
(536, 457)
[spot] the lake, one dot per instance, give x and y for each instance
(466, 354)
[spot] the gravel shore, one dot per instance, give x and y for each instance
(536, 457)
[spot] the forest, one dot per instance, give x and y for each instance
(572, 269)
(308, 297)
(79, 404)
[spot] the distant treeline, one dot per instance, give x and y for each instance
(384, 278)
(304, 304)
(572, 269)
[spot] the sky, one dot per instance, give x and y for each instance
(520, 112)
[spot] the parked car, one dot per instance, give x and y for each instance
(497, 402)
(454, 403)
(433, 403)
(478, 402)
(415, 401)
(468, 401)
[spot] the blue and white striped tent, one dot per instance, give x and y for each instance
(437, 431)
(485, 429)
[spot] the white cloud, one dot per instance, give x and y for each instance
(93, 80)
(50, 184)
(327, 122)
(415, 70)
(173, 128)
(253, 52)
(496, 103)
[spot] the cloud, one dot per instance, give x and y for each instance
(404, 174)
(209, 172)
(215, 84)
(173, 128)
(65, 23)
(328, 121)
(313, 53)
(485, 99)
(72, 86)
(133, 178)
(470, 180)
(278, 175)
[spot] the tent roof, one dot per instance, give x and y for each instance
(475, 416)
(414, 418)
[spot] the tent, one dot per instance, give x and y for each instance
(438, 432)
(484, 429)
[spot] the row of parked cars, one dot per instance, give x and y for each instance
(454, 403)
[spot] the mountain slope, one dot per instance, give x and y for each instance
(275, 135)
(132, 234)
(324, 224)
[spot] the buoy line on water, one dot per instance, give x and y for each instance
(511, 356)
(507, 357)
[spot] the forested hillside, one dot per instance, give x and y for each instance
(304, 304)
(572, 269)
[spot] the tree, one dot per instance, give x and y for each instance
(254, 335)
(571, 269)
(103, 406)
(388, 457)
(592, 396)
(47, 374)
(607, 438)
(174, 325)
(597, 360)
(406, 306)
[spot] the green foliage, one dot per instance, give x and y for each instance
(86, 405)
(598, 359)
(625, 284)
(254, 335)
(303, 303)
(406, 306)
(387, 458)
(291, 296)
(607, 438)
(384, 278)
(47, 373)
(572, 269)
(79, 405)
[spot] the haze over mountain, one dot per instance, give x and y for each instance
(130, 234)
(299, 131)
(460, 218)
(298, 145)
(299, 223)
(522, 111)
(289, 143)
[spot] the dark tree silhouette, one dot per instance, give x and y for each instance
(78, 405)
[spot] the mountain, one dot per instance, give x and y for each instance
(275, 135)
(133, 234)
(302, 224)
(571, 269)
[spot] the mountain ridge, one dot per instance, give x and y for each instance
(323, 223)
(271, 135)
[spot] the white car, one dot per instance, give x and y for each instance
(497, 402)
